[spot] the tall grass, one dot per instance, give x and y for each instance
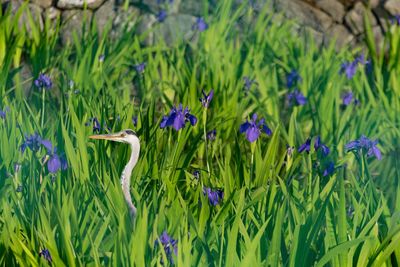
(278, 209)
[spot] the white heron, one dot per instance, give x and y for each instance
(129, 137)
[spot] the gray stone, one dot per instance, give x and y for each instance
(373, 3)
(53, 13)
(175, 29)
(42, 3)
(393, 6)
(355, 18)
(125, 20)
(318, 37)
(378, 37)
(195, 8)
(103, 15)
(333, 8)
(155, 6)
(305, 14)
(71, 4)
(341, 35)
(35, 12)
(73, 21)
(144, 27)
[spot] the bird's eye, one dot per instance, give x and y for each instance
(123, 134)
(129, 132)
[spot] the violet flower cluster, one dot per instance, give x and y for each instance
(296, 98)
(366, 145)
(43, 82)
(177, 118)
(214, 196)
(45, 253)
(350, 68)
(3, 113)
(253, 129)
(206, 99)
(169, 244)
(292, 78)
(200, 25)
(56, 161)
(328, 167)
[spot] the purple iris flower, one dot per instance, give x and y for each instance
(135, 120)
(213, 196)
(347, 98)
(3, 113)
(292, 78)
(200, 25)
(329, 169)
(56, 163)
(289, 150)
(196, 174)
(319, 145)
(248, 83)
(161, 16)
(297, 98)
(348, 68)
(177, 118)
(95, 123)
(140, 67)
(254, 129)
(365, 144)
(45, 253)
(159, 2)
(211, 135)
(169, 244)
(306, 146)
(396, 19)
(43, 81)
(33, 142)
(206, 99)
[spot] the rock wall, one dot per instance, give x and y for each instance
(326, 19)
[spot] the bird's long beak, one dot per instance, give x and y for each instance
(112, 137)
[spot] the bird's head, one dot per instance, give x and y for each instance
(126, 136)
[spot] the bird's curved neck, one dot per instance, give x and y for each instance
(126, 174)
(126, 177)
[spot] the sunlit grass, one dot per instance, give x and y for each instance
(278, 208)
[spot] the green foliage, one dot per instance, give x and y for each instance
(277, 210)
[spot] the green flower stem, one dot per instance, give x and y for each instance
(251, 176)
(43, 103)
(205, 140)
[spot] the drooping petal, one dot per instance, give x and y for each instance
(244, 127)
(254, 118)
(330, 169)
(325, 150)
(163, 123)
(300, 99)
(305, 146)
(64, 163)
(266, 130)
(48, 145)
(252, 134)
(192, 119)
(179, 121)
(54, 163)
(352, 145)
(374, 150)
